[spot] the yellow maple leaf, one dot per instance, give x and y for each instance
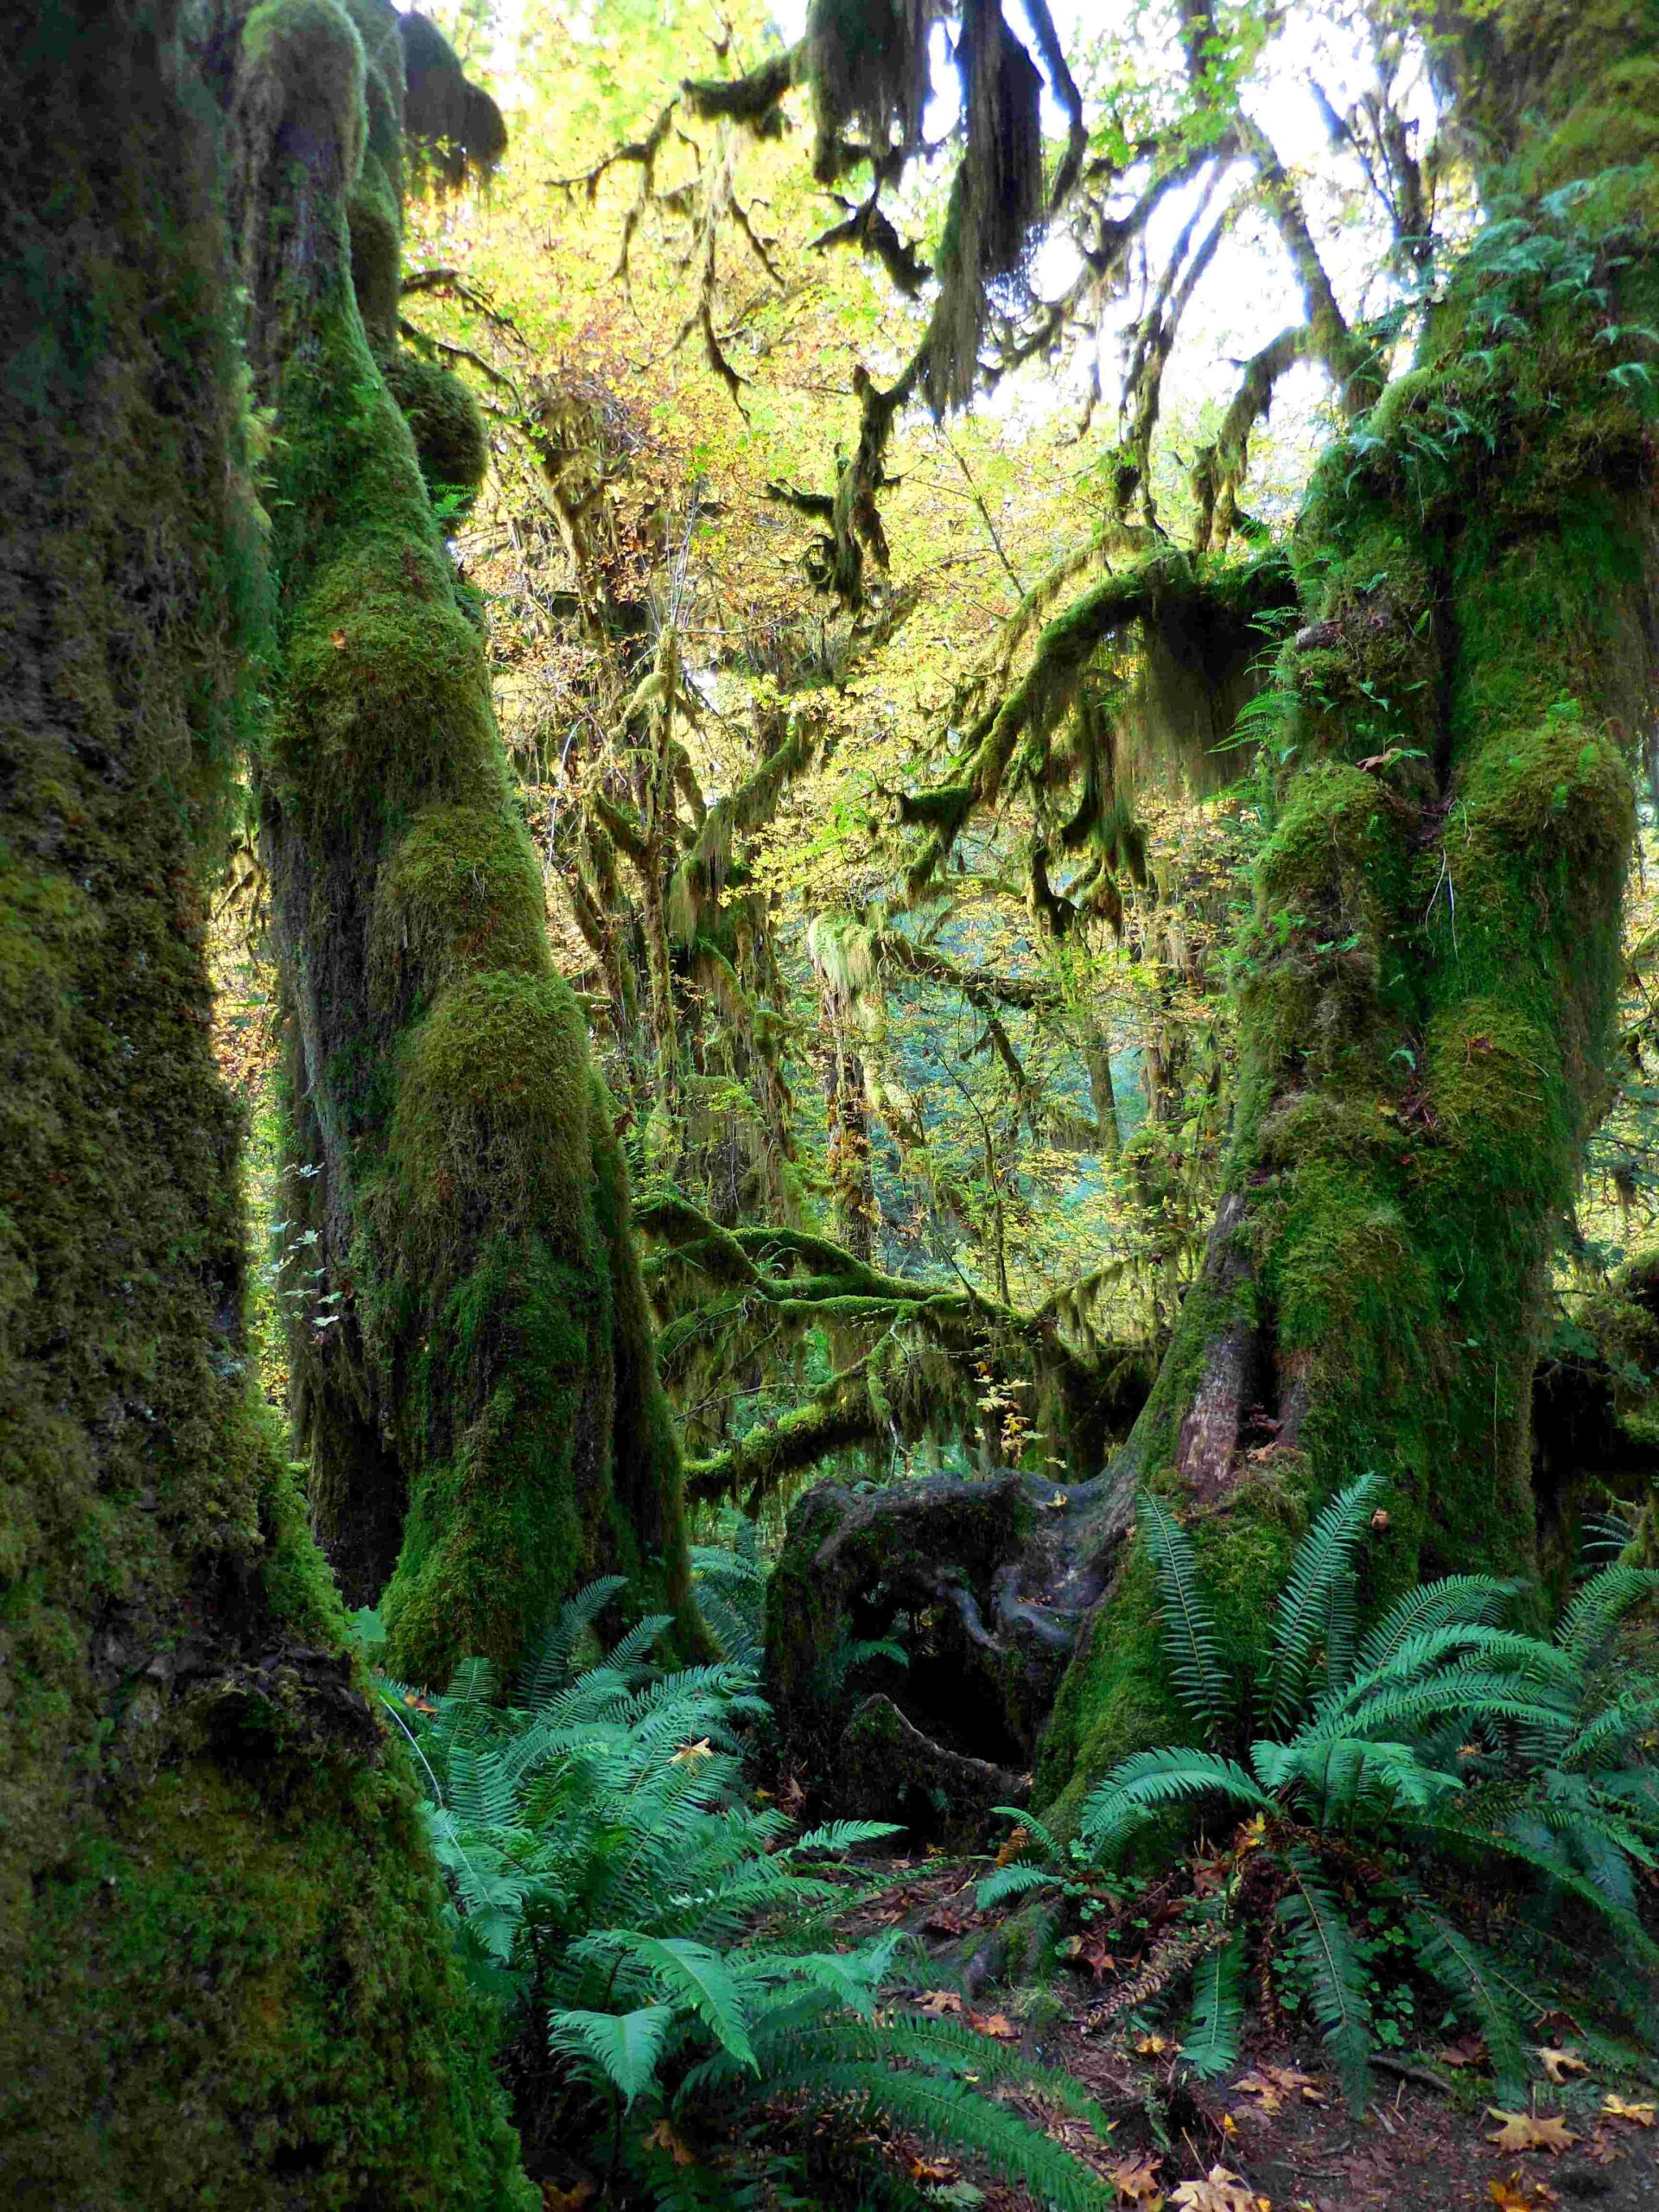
(689, 1754)
(1557, 2064)
(1615, 2108)
(1218, 2191)
(1518, 2194)
(1522, 2131)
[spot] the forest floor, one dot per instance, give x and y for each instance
(1273, 2135)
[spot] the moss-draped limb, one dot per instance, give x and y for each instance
(930, 1351)
(1198, 602)
(1427, 981)
(477, 1316)
(227, 1977)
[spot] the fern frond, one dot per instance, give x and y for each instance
(949, 2115)
(843, 1836)
(1597, 1610)
(1140, 1785)
(1323, 1559)
(1013, 1881)
(1325, 1943)
(1457, 1601)
(1189, 1626)
(638, 1641)
(548, 1667)
(694, 1973)
(625, 2046)
(1211, 2044)
(1490, 1996)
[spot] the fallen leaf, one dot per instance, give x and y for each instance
(1151, 2046)
(931, 2169)
(1557, 2064)
(664, 2139)
(940, 2000)
(1291, 2077)
(566, 2200)
(1519, 2194)
(1012, 1847)
(1138, 2182)
(1219, 2191)
(995, 2024)
(1254, 2084)
(689, 1754)
(1522, 2131)
(1467, 2051)
(337, 640)
(1615, 2108)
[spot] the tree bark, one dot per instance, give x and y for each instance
(1427, 982)
(226, 1976)
(478, 1343)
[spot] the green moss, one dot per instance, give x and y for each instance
(444, 419)
(460, 895)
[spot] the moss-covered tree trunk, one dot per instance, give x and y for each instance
(477, 1382)
(1427, 984)
(226, 1977)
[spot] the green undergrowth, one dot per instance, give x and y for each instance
(1448, 1818)
(662, 1950)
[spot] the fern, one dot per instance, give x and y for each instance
(1317, 1594)
(606, 1871)
(1449, 1736)
(1596, 1611)
(1459, 1601)
(1211, 2044)
(1325, 1943)
(1189, 1627)
(1488, 1995)
(1013, 1882)
(625, 2047)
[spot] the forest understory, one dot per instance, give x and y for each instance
(829, 1105)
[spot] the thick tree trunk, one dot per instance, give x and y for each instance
(225, 1976)
(478, 1343)
(1427, 985)
(1427, 982)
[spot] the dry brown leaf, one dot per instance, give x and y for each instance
(995, 2024)
(940, 2000)
(664, 2139)
(1468, 2050)
(1151, 2046)
(1137, 2183)
(1219, 2191)
(1522, 2131)
(1557, 2064)
(1256, 2086)
(566, 2200)
(1640, 2116)
(931, 2169)
(1520, 2195)
(693, 1754)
